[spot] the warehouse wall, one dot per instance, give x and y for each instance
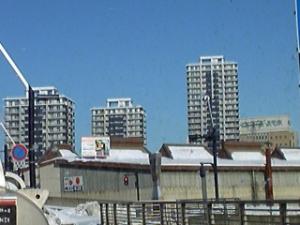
(232, 184)
(50, 179)
(97, 184)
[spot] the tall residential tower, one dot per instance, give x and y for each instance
(119, 118)
(54, 119)
(218, 79)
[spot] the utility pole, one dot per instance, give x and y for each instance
(30, 115)
(214, 145)
(212, 136)
(31, 152)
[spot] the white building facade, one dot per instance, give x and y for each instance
(120, 118)
(54, 121)
(214, 77)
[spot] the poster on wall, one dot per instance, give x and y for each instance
(95, 147)
(73, 183)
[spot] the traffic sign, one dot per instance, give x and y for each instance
(19, 152)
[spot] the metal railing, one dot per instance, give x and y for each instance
(192, 212)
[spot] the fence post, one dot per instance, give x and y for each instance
(183, 213)
(205, 212)
(144, 214)
(128, 214)
(177, 214)
(209, 213)
(283, 213)
(242, 213)
(106, 214)
(161, 210)
(101, 213)
(115, 214)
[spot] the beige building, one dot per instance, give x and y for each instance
(275, 130)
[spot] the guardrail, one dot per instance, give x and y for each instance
(210, 212)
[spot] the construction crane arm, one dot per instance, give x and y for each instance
(14, 66)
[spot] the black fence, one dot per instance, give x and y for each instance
(192, 212)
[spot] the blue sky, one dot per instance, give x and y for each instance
(93, 50)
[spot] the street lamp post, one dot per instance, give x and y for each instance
(211, 136)
(203, 181)
(214, 146)
(30, 115)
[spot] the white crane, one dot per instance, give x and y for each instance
(6, 132)
(14, 66)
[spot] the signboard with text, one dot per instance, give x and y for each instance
(96, 147)
(73, 183)
(8, 211)
(265, 124)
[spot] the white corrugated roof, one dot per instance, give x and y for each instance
(191, 156)
(122, 156)
(291, 154)
(247, 156)
(190, 152)
(67, 154)
(187, 155)
(128, 155)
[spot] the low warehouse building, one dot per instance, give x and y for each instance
(126, 174)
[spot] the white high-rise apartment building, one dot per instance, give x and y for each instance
(119, 118)
(217, 78)
(54, 121)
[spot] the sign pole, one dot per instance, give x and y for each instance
(31, 137)
(6, 158)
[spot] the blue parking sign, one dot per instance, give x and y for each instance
(19, 152)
